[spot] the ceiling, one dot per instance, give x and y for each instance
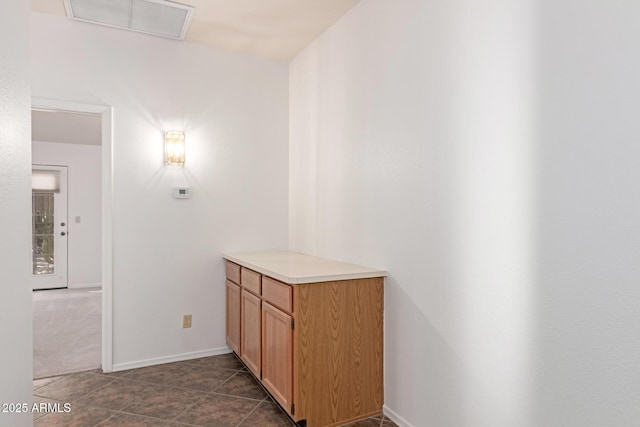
(68, 128)
(276, 29)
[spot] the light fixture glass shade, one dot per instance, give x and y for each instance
(174, 148)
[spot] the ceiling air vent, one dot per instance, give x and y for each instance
(157, 17)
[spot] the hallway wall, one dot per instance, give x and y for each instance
(15, 213)
(167, 253)
(486, 154)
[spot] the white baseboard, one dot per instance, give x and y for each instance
(84, 285)
(395, 417)
(168, 359)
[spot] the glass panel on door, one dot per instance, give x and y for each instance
(42, 230)
(49, 226)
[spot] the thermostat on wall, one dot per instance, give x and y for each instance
(182, 192)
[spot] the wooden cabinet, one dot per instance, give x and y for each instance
(233, 316)
(338, 351)
(251, 341)
(277, 355)
(316, 347)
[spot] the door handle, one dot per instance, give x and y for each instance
(63, 234)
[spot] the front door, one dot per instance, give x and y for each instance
(49, 227)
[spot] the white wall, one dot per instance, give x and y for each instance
(84, 200)
(16, 366)
(486, 154)
(587, 297)
(167, 252)
(410, 148)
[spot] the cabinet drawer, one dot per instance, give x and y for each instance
(250, 280)
(277, 293)
(233, 272)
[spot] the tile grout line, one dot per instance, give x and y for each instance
(67, 400)
(236, 396)
(53, 376)
(123, 412)
(201, 395)
(249, 414)
(224, 382)
(166, 384)
(106, 419)
(133, 380)
(187, 408)
(269, 398)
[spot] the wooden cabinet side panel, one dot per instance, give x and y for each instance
(233, 316)
(339, 350)
(250, 341)
(277, 354)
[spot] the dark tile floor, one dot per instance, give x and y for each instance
(212, 391)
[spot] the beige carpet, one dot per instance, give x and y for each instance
(67, 325)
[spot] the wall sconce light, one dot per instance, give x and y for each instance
(174, 148)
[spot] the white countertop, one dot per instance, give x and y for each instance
(296, 268)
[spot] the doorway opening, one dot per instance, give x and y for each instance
(71, 237)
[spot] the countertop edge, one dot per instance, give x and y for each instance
(307, 279)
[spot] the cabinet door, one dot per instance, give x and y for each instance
(233, 316)
(250, 332)
(277, 354)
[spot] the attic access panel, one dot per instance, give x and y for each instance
(156, 17)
